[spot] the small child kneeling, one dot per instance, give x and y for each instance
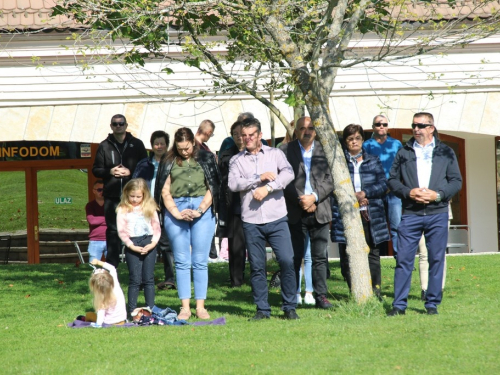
(109, 300)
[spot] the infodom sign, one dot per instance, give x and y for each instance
(43, 150)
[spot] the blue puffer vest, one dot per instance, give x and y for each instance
(374, 184)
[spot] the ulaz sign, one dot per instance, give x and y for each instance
(64, 200)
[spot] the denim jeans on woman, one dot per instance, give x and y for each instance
(190, 242)
(96, 250)
(141, 270)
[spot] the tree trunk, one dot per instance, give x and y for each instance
(357, 249)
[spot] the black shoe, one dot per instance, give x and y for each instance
(423, 295)
(431, 311)
(291, 315)
(395, 311)
(165, 285)
(259, 316)
(323, 303)
(376, 293)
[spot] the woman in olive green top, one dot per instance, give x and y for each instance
(190, 182)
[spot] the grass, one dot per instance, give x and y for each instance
(51, 185)
(39, 300)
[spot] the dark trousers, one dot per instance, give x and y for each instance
(141, 270)
(167, 256)
(318, 234)
(113, 242)
(237, 252)
(435, 230)
(373, 258)
(278, 236)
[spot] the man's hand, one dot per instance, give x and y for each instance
(260, 193)
(423, 195)
(311, 209)
(268, 176)
(120, 171)
(306, 201)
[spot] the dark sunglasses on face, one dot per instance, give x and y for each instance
(100, 190)
(379, 124)
(114, 123)
(420, 125)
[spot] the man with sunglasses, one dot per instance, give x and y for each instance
(97, 223)
(386, 148)
(425, 175)
(115, 162)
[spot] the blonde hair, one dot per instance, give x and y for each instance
(148, 204)
(101, 285)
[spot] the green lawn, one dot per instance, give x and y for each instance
(70, 183)
(37, 301)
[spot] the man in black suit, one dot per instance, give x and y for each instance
(308, 204)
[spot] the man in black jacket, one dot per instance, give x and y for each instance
(308, 204)
(115, 162)
(425, 175)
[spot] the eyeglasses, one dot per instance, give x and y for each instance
(118, 123)
(100, 190)
(420, 125)
(379, 124)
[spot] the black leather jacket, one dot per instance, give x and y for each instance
(212, 177)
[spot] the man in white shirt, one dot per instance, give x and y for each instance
(425, 175)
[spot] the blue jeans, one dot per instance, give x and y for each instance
(190, 242)
(278, 236)
(96, 249)
(393, 208)
(435, 230)
(141, 270)
(307, 268)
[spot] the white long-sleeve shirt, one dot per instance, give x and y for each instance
(118, 312)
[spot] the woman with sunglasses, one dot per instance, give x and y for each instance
(187, 187)
(370, 186)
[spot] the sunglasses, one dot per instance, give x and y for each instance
(100, 190)
(118, 123)
(420, 125)
(379, 124)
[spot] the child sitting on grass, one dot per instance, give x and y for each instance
(109, 301)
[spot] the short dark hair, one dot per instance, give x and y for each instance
(429, 116)
(235, 125)
(251, 122)
(98, 182)
(160, 134)
(119, 116)
(352, 129)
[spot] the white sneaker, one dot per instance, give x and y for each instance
(309, 299)
(299, 299)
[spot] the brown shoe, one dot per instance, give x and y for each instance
(184, 314)
(202, 313)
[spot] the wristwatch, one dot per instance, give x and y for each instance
(269, 188)
(199, 211)
(438, 198)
